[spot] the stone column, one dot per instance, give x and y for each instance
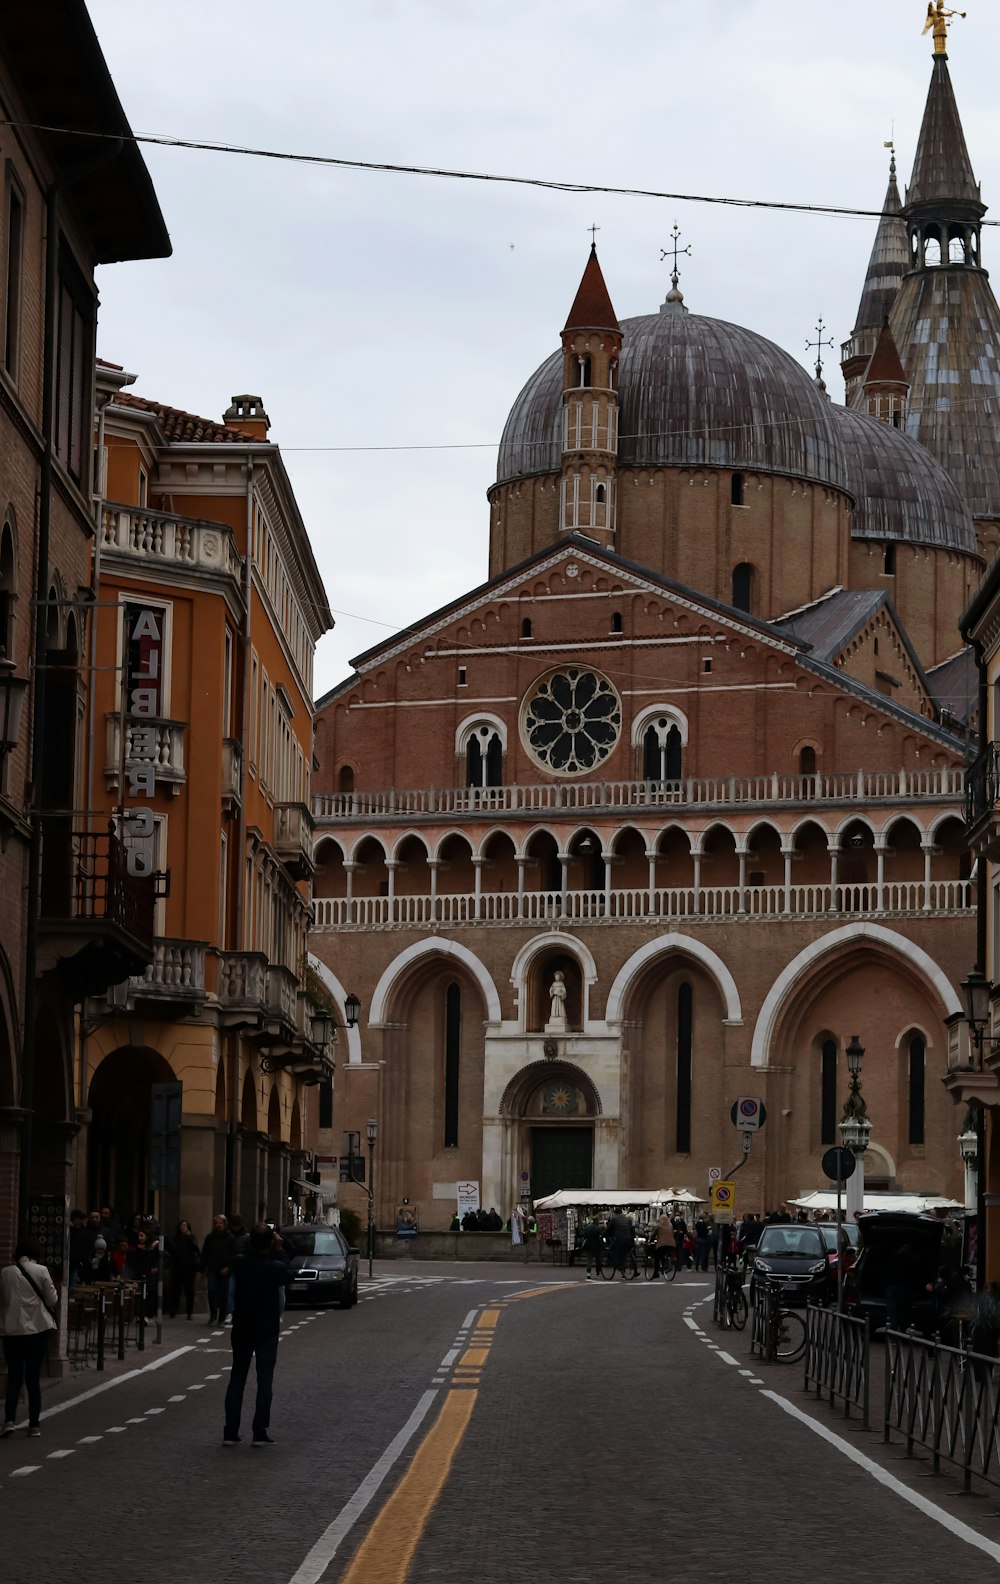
(880, 877)
(833, 847)
(927, 848)
(477, 910)
(788, 853)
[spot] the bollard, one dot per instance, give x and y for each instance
(141, 1327)
(101, 1321)
(120, 1304)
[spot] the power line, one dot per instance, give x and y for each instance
(551, 184)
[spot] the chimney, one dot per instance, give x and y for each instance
(246, 413)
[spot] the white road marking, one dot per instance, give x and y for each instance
(469, 1320)
(29, 1468)
(692, 1323)
(155, 1410)
(63, 1452)
(198, 1386)
(213, 1377)
(727, 1358)
(947, 1520)
(95, 1391)
(116, 1429)
(178, 1398)
(746, 1372)
(140, 1420)
(449, 1359)
(86, 1440)
(756, 1380)
(322, 1553)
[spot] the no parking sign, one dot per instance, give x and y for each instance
(723, 1201)
(748, 1114)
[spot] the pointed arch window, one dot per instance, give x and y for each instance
(8, 589)
(662, 751)
(736, 490)
(743, 587)
(685, 1026)
(452, 1062)
(585, 368)
(484, 757)
(828, 1092)
(916, 1070)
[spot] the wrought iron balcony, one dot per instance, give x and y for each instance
(982, 801)
(96, 919)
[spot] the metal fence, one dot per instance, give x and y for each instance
(946, 1401)
(838, 1358)
(103, 1321)
(766, 1296)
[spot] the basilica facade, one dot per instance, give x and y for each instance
(697, 746)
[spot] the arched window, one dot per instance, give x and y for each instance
(932, 250)
(526, 627)
(601, 494)
(584, 371)
(345, 779)
(685, 1022)
(661, 751)
(736, 490)
(917, 1062)
(452, 1054)
(743, 586)
(613, 374)
(956, 250)
(828, 1092)
(889, 560)
(484, 758)
(616, 622)
(7, 591)
(807, 761)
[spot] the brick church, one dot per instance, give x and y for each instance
(697, 745)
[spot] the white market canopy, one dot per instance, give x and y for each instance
(581, 1198)
(915, 1204)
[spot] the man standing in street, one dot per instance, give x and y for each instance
(261, 1279)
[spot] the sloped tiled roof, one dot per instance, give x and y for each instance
(900, 491)
(885, 367)
(942, 169)
(888, 263)
(592, 309)
(184, 428)
(828, 624)
(954, 685)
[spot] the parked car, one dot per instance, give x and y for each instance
(798, 1257)
(325, 1264)
(883, 1233)
(848, 1233)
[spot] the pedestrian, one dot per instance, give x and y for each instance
(456, 1225)
(701, 1244)
(260, 1279)
(185, 1263)
(98, 1267)
(28, 1303)
(592, 1243)
(680, 1240)
(238, 1228)
(78, 1245)
(110, 1226)
(496, 1225)
(665, 1252)
(713, 1242)
(902, 1280)
(217, 1255)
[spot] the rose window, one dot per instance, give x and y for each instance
(572, 721)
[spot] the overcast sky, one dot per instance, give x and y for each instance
(373, 310)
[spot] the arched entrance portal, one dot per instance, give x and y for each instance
(551, 1106)
(118, 1154)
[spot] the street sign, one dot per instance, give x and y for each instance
(723, 1202)
(525, 1186)
(748, 1114)
(467, 1194)
(839, 1163)
(714, 1175)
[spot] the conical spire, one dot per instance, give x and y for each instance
(592, 308)
(885, 367)
(889, 260)
(942, 170)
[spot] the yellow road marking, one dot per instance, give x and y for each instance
(387, 1550)
(475, 1356)
(539, 1292)
(487, 1320)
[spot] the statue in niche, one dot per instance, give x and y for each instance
(557, 1005)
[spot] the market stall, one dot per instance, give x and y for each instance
(558, 1215)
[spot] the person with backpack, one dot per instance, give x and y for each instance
(28, 1304)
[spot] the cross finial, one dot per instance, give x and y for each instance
(819, 343)
(674, 250)
(593, 229)
(890, 144)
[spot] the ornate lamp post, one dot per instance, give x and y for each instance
(371, 1130)
(855, 1128)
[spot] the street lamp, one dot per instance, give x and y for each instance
(352, 1010)
(371, 1130)
(12, 691)
(968, 1148)
(855, 1128)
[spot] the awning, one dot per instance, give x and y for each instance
(328, 1195)
(620, 1198)
(915, 1204)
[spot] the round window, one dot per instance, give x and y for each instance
(571, 721)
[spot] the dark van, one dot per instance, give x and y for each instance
(882, 1233)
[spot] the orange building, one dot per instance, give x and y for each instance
(208, 608)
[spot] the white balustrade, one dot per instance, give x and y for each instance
(158, 536)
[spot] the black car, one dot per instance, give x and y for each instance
(797, 1257)
(325, 1264)
(884, 1234)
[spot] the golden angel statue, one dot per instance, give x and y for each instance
(937, 22)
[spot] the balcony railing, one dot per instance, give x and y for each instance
(717, 903)
(165, 754)
(179, 541)
(232, 770)
(890, 786)
(241, 986)
(293, 837)
(176, 976)
(982, 788)
(85, 878)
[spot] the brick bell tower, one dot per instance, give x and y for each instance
(592, 343)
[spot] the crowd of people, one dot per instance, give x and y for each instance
(102, 1249)
(672, 1238)
(478, 1221)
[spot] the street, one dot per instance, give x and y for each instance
(476, 1422)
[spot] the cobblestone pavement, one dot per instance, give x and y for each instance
(597, 1438)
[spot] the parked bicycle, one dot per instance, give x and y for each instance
(735, 1308)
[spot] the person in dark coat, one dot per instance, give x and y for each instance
(259, 1280)
(456, 1225)
(185, 1263)
(592, 1244)
(902, 1281)
(79, 1244)
(217, 1254)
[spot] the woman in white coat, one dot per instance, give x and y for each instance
(28, 1302)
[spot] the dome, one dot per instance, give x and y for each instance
(900, 490)
(693, 392)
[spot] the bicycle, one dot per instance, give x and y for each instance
(788, 1334)
(625, 1262)
(735, 1308)
(659, 1262)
